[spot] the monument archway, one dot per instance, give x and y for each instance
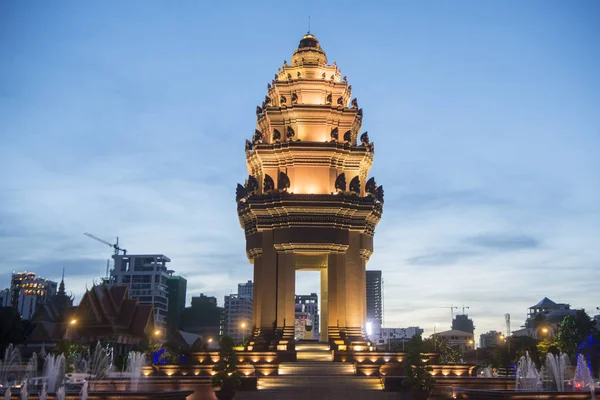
(307, 202)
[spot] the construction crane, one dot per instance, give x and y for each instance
(114, 246)
(452, 308)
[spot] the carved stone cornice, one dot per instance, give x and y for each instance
(337, 155)
(366, 253)
(281, 210)
(311, 247)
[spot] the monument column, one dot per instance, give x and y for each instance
(268, 284)
(286, 285)
(355, 301)
(257, 291)
(336, 280)
(324, 304)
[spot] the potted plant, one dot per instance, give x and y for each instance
(417, 378)
(226, 376)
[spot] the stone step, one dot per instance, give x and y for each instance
(317, 394)
(319, 368)
(317, 346)
(332, 383)
(315, 355)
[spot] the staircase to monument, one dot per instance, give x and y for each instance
(348, 339)
(313, 351)
(280, 339)
(316, 376)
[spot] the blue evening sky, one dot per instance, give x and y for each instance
(129, 118)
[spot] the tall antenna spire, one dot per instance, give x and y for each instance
(309, 24)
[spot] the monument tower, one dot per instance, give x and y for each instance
(308, 202)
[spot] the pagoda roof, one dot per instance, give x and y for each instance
(107, 310)
(545, 302)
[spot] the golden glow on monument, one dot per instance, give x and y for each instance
(308, 201)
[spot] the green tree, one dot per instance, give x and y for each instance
(568, 336)
(585, 326)
(501, 357)
(447, 354)
(11, 328)
(547, 345)
(227, 378)
(162, 353)
(519, 345)
(72, 351)
(416, 371)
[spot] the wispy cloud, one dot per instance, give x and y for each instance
(444, 258)
(504, 242)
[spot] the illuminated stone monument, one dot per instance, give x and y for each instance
(308, 203)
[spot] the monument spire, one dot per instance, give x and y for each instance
(61, 287)
(296, 208)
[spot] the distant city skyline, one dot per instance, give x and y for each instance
(130, 121)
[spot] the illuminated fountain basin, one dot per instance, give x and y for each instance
(56, 385)
(529, 384)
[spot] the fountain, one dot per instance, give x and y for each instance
(84, 391)
(32, 366)
(528, 383)
(9, 365)
(583, 377)
(82, 366)
(54, 370)
(60, 393)
(99, 362)
(487, 372)
(556, 368)
(135, 362)
(44, 392)
(24, 391)
(528, 377)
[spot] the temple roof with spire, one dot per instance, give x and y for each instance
(545, 302)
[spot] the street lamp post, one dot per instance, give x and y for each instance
(403, 338)
(73, 322)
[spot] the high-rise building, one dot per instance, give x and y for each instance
(237, 313)
(177, 287)
(374, 297)
(463, 323)
(307, 308)
(203, 317)
(246, 289)
(27, 291)
(146, 276)
(490, 339)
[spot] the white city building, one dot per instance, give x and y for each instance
(146, 276)
(237, 313)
